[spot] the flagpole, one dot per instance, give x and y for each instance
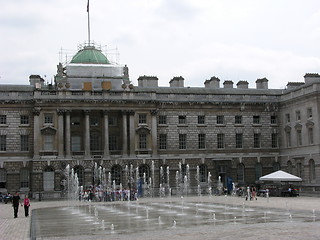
(88, 23)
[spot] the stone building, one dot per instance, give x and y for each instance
(93, 116)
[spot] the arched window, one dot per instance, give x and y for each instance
(3, 178)
(80, 173)
(203, 173)
(289, 167)
(240, 172)
(48, 178)
(258, 169)
(312, 170)
(116, 172)
(144, 170)
(24, 178)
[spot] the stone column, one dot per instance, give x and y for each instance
(60, 133)
(132, 142)
(36, 133)
(154, 132)
(68, 135)
(106, 152)
(87, 135)
(124, 134)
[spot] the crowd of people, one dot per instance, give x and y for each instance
(99, 195)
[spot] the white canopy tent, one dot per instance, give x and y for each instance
(280, 176)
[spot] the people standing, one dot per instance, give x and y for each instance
(26, 204)
(15, 204)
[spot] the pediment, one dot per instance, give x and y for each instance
(48, 130)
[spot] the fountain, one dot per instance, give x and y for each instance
(209, 185)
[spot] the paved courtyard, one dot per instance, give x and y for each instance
(19, 228)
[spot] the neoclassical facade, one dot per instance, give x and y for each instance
(93, 114)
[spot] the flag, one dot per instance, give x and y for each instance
(88, 6)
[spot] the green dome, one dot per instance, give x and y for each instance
(90, 54)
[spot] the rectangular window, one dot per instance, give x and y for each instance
(48, 142)
(239, 140)
(220, 119)
(94, 121)
(256, 119)
(299, 137)
(201, 119)
(310, 135)
(201, 141)
(112, 121)
(48, 119)
(220, 140)
(142, 118)
(238, 119)
(94, 142)
(24, 142)
(163, 119)
(182, 141)
(24, 178)
(24, 119)
(3, 143)
(274, 140)
(76, 143)
(287, 117)
(182, 119)
(113, 142)
(309, 112)
(75, 121)
(142, 141)
(273, 119)
(257, 140)
(298, 116)
(3, 119)
(163, 141)
(288, 136)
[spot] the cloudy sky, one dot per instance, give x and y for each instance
(197, 39)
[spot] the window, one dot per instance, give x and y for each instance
(24, 119)
(299, 137)
(75, 121)
(48, 179)
(48, 142)
(164, 174)
(299, 169)
(24, 178)
(273, 119)
(3, 119)
(240, 172)
(288, 138)
(298, 116)
(163, 119)
(113, 142)
(220, 119)
(95, 142)
(76, 143)
(309, 112)
(287, 117)
(3, 178)
(182, 119)
(257, 140)
(310, 135)
(182, 141)
(312, 170)
(24, 142)
(116, 174)
(238, 119)
(3, 143)
(144, 172)
(258, 169)
(142, 118)
(94, 121)
(220, 140)
(276, 166)
(203, 173)
(256, 119)
(239, 140)
(163, 141)
(201, 141)
(289, 167)
(48, 118)
(79, 170)
(274, 140)
(112, 121)
(201, 119)
(142, 141)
